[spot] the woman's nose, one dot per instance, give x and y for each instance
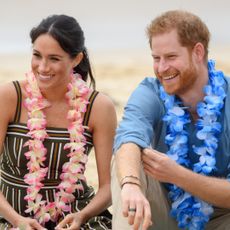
(43, 66)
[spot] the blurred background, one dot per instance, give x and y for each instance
(115, 37)
(107, 24)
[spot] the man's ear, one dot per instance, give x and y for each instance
(199, 52)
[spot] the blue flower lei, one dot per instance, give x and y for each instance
(189, 211)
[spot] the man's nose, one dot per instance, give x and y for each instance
(162, 66)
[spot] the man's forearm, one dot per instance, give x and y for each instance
(128, 161)
(210, 189)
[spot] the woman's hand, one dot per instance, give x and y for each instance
(26, 223)
(136, 207)
(72, 221)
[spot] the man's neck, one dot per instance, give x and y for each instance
(196, 94)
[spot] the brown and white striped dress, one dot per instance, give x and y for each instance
(13, 166)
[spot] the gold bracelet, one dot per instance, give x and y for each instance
(130, 182)
(129, 176)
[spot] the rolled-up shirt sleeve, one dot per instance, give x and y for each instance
(142, 111)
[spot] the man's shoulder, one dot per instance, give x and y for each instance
(227, 78)
(151, 83)
(149, 88)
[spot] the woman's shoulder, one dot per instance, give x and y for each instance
(8, 100)
(103, 108)
(9, 86)
(103, 100)
(7, 92)
(103, 104)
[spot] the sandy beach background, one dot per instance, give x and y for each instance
(117, 74)
(115, 37)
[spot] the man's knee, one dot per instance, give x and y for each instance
(221, 221)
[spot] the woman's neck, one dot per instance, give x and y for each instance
(55, 94)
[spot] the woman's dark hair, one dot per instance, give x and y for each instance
(68, 33)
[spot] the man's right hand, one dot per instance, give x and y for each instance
(135, 206)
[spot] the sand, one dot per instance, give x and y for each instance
(117, 74)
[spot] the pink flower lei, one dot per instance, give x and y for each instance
(73, 170)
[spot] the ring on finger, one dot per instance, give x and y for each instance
(132, 210)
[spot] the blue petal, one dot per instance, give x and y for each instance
(190, 212)
(201, 135)
(177, 111)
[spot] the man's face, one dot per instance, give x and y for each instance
(173, 63)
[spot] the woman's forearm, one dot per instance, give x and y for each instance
(100, 202)
(7, 211)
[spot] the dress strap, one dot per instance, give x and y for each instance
(89, 107)
(19, 101)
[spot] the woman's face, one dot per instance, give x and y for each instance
(50, 64)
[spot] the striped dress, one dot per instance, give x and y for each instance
(13, 168)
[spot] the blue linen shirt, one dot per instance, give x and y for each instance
(142, 124)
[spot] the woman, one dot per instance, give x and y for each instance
(50, 122)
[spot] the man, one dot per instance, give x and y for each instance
(172, 149)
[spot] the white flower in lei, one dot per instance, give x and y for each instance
(191, 212)
(73, 170)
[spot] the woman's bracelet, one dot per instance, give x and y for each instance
(130, 182)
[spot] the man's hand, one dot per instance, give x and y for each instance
(159, 166)
(135, 207)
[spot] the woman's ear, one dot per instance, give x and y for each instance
(78, 59)
(199, 52)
